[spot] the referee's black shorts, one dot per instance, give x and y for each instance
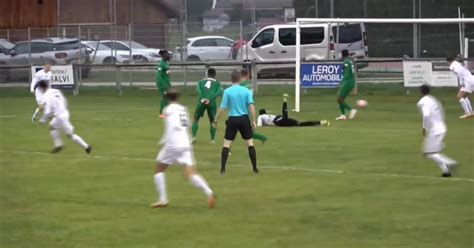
(239, 124)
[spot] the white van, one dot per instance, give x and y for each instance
(318, 42)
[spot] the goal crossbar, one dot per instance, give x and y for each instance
(302, 21)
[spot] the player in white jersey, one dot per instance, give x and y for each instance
(434, 130)
(44, 74)
(283, 120)
(177, 149)
(466, 81)
(55, 108)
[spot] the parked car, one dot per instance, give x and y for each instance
(207, 48)
(56, 51)
(140, 52)
(5, 46)
(101, 54)
(278, 43)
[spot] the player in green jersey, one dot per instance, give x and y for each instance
(345, 87)
(163, 78)
(247, 83)
(246, 80)
(208, 90)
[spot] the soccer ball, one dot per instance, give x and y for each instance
(362, 103)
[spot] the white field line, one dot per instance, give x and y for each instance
(284, 168)
(355, 129)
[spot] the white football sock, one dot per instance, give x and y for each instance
(79, 141)
(439, 161)
(468, 103)
(447, 160)
(56, 138)
(160, 183)
(198, 181)
(464, 105)
(36, 113)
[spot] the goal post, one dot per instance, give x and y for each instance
(302, 22)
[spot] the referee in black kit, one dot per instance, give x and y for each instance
(238, 101)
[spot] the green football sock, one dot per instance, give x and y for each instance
(213, 132)
(347, 106)
(163, 104)
(342, 109)
(260, 137)
(195, 128)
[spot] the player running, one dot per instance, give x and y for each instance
(239, 102)
(44, 74)
(163, 78)
(467, 86)
(177, 149)
(245, 82)
(208, 90)
(434, 130)
(283, 120)
(55, 108)
(346, 86)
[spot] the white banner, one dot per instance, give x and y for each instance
(62, 76)
(442, 76)
(436, 74)
(416, 73)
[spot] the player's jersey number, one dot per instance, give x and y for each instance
(183, 119)
(208, 84)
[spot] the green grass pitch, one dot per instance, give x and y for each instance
(361, 183)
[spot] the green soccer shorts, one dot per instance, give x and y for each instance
(346, 89)
(201, 108)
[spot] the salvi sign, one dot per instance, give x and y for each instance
(62, 76)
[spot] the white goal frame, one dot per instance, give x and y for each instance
(301, 22)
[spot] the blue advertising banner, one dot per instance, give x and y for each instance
(321, 75)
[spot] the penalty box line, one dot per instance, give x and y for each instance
(284, 168)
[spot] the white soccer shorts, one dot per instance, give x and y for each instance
(39, 96)
(468, 87)
(181, 156)
(61, 122)
(434, 143)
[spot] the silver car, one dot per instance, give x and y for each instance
(56, 51)
(207, 48)
(140, 52)
(101, 54)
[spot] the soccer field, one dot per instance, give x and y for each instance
(360, 183)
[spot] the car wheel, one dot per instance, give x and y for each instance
(193, 58)
(140, 59)
(109, 60)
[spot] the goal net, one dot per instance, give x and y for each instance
(403, 47)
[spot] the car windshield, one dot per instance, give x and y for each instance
(6, 44)
(348, 33)
(70, 45)
(137, 45)
(93, 44)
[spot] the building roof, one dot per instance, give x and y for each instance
(213, 13)
(257, 4)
